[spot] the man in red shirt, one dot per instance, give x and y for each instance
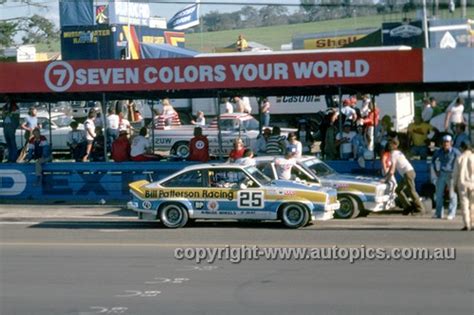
(199, 147)
(121, 148)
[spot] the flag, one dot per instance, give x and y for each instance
(185, 18)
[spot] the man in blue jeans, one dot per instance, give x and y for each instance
(443, 165)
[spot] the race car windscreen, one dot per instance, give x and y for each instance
(318, 167)
(258, 175)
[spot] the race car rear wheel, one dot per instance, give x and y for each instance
(180, 149)
(173, 215)
(294, 215)
(349, 207)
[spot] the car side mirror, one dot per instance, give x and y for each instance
(242, 186)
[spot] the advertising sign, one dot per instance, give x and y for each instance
(452, 33)
(186, 18)
(263, 70)
(407, 33)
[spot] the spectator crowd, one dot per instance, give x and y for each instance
(363, 136)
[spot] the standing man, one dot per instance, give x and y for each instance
(443, 165)
(344, 141)
(229, 108)
(11, 121)
(241, 43)
(418, 136)
(112, 130)
(261, 143)
(463, 174)
(276, 144)
(30, 123)
(427, 112)
(39, 150)
(406, 189)
(89, 127)
(265, 109)
(199, 147)
(454, 115)
(460, 136)
(284, 165)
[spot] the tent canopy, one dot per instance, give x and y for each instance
(152, 51)
(252, 46)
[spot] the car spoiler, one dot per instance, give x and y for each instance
(138, 186)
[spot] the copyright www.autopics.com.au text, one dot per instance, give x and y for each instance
(237, 254)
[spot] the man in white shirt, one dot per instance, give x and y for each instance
(454, 115)
(464, 175)
(348, 111)
(112, 130)
(200, 119)
(140, 148)
(406, 189)
(229, 108)
(77, 142)
(89, 127)
(344, 141)
(247, 107)
(284, 165)
(427, 112)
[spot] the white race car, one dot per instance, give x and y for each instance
(230, 191)
(355, 193)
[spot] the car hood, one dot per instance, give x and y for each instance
(281, 183)
(352, 179)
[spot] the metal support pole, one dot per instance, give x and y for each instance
(340, 108)
(469, 119)
(372, 136)
(259, 104)
(425, 25)
(50, 129)
(104, 123)
(463, 9)
(153, 126)
(219, 131)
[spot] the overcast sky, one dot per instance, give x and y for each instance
(14, 9)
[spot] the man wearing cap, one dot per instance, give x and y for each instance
(344, 141)
(443, 165)
(463, 175)
(406, 189)
(284, 165)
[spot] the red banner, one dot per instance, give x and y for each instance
(230, 72)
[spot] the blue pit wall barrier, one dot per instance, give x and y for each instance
(90, 182)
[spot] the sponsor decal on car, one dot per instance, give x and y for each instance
(213, 205)
(190, 194)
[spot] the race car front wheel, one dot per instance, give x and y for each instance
(173, 215)
(294, 215)
(348, 209)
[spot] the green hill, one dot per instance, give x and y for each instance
(275, 36)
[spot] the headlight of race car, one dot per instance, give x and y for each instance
(381, 193)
